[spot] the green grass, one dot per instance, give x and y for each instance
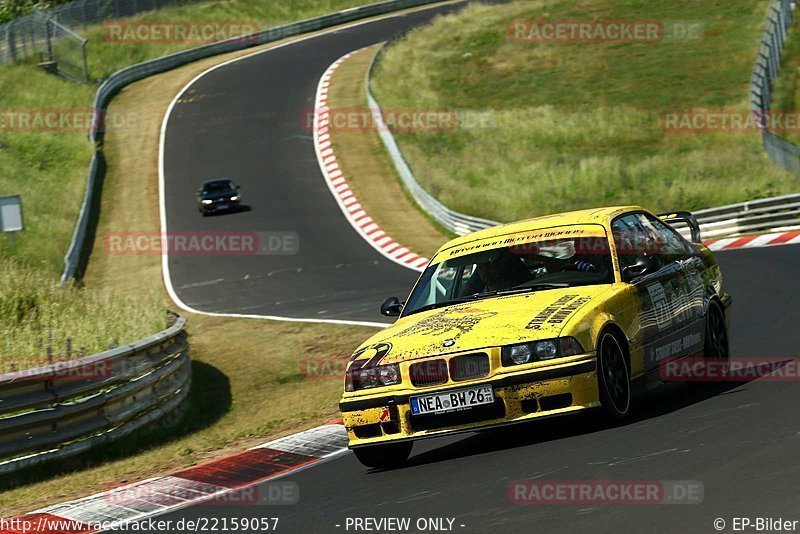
(38, 316)
(48, 170)
(42, 321)
(105, 57)
(576, 125)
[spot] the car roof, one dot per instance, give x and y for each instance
(601, 216)
(217, 181)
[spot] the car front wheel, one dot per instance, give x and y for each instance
(384, 456)
(716, 332)
(613, 377)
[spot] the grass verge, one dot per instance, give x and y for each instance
(368, 168)
(107, 55)
(574, 125)
(42, 321)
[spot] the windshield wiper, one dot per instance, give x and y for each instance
(501, 292)
(550, 285)
(441, 304)
(515, 290)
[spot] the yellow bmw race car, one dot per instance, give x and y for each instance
(533, 319)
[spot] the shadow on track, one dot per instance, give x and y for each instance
(244, 208)
(665, 399)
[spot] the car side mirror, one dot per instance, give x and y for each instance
(642, 266)
(391, 307)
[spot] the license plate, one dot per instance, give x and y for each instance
(452, 401)
(222, 206)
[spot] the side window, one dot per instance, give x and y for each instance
(670, 245)
(632, 239)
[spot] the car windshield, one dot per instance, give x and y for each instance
(536, 265)
(217, 187)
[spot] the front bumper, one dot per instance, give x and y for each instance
(519, 397)
(220, 206)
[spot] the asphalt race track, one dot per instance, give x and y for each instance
(246, 121)
(740, 442)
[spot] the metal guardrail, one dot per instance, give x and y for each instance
(76, 257)
(764, 215)
(64, 409)
(453, 221)
(768, 63)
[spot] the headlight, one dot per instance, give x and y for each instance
(546, 350)
(382, 375)
(234, 198)
(518, 354)
(537, 351)
(206, 201)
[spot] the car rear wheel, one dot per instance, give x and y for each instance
(384, 456)
(613, 377)
(716, 345)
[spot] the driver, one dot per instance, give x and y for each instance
(504, 272)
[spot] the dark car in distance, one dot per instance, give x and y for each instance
(218, 195)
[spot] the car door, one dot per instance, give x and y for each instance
(688, 288)
(666, 312)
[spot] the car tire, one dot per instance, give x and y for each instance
(716, 344)
(384, 456)
(613, 377)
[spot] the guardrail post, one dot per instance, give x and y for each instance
(12, 47)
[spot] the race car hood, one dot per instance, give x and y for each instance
(483, 323)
